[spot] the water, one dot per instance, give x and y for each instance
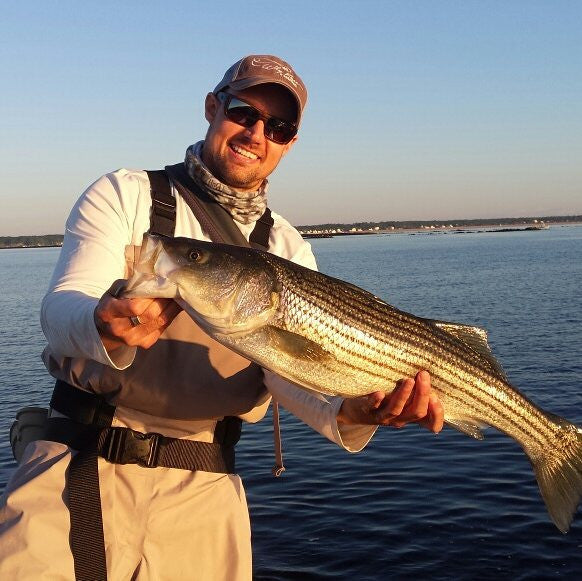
(412, 504)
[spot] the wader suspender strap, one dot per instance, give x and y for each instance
(259, 237)
(86, 536)
(220, 226)
(87, 428)
(213, 218)
(163, 210)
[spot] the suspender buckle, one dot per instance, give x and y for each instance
(125, 446)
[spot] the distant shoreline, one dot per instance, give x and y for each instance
(29, 247)
(444, 230)
(358, 228)
(438, 227)
(31, 241)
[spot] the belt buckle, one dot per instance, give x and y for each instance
(125, 446)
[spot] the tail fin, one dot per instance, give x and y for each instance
(559, 474)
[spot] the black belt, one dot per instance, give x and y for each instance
(125, 446)
(89, 419)
(87, 428)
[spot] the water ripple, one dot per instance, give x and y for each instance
(411, 505)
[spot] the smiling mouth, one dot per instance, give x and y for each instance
(244, 152)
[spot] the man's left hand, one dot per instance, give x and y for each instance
(412, 401)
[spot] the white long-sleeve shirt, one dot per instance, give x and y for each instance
(108, 220)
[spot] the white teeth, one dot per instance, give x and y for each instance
(244, 152)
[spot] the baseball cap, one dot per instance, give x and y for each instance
(257, 69)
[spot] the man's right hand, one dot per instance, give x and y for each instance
(113, 319)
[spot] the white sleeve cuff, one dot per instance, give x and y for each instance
(120, 358)
(72, 332)
(353, 438)
(318, 412)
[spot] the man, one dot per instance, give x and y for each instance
(153, 371)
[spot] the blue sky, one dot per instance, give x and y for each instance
(417, 109)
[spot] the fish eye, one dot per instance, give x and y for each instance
(194, 255)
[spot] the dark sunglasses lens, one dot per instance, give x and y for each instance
(241, 113)
(279, 131)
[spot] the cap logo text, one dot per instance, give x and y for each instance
(270, 65)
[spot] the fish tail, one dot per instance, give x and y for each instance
(558, 469)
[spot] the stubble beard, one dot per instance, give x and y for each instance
(239, 178)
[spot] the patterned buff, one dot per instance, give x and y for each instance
(244, 207)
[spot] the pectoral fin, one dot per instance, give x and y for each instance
(296, 346)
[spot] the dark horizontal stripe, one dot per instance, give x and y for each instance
(339, 305)
(413, 335)
(373, 317)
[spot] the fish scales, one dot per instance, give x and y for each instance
(374, 318)
(376, 326)
(449, 388)
(312, 295)
(325, 297)
(330, 336)
(415, 332)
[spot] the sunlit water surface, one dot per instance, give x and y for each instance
(411, 504)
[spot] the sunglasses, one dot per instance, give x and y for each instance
(241, 113)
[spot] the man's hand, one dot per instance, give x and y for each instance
(114, 324)
(412, 400)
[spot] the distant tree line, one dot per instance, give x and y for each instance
(57, 239)
(31, 241)
(455, 222)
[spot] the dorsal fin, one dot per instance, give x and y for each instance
(474, 337)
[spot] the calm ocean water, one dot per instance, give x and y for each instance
(412, 504)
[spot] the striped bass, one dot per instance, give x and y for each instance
(332, 337)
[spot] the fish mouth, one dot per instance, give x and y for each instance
(149, 252)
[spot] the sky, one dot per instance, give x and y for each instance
(418, 110)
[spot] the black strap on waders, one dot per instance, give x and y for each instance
(213, 218)
(88, 420)
(88, 423)
(163, 209)
(220, 227)
(86, 535)
(87, 428)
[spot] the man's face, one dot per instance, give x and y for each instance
(242, 157)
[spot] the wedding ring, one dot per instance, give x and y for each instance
(135, 321)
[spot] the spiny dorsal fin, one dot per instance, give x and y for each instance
(476, 338)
